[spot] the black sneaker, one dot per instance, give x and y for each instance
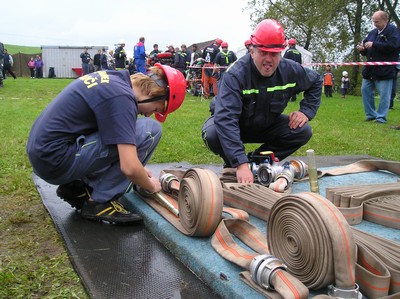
(75, 193)
(112, 211)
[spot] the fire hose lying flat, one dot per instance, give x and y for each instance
(377, 203)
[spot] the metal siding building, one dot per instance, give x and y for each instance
(64, 58)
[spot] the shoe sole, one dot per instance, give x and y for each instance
(138, 219)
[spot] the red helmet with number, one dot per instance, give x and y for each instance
(224, 45)
(176, 89)
(292, 41)
(269, 36)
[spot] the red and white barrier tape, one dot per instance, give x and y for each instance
(318, 64)
(351, 63)
(208, 67)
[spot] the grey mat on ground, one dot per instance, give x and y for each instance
(119, 261)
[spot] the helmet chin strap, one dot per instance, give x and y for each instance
(154, 99)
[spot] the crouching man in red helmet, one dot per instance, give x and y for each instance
(252, 96)
(91, 142)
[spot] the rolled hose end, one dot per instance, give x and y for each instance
(345, 293)
(263, 267)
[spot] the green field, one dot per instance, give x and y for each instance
(12, 49)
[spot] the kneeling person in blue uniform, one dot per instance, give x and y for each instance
(252, 96)
(91, 142)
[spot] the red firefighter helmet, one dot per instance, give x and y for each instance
(176, 89)
(292, 41)
(218, 41)
(247, 43)
(224, 45)
(269, 36)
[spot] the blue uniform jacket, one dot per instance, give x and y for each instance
(386, 46)
(248, 101)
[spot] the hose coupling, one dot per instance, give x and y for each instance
(345, 293)
(263, 268)
(166, 179)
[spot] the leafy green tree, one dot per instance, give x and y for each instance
(328, 29)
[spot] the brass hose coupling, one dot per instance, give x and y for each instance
(343, 293)
(263, 268)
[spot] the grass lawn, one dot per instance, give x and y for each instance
(33, 261)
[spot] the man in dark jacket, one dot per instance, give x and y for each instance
(295, 55)
(381, 44)
(85, 57)
(252, 96)
(292, 53)
(225, 58)
(7, 65)
(120, 56)
(97, 61)
(212, 50)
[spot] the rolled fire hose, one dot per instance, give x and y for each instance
(265, 272)
(310, 235)
(199, 202)
(378, 265)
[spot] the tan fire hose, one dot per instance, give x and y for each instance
(377, 203)
(199, 202)
(309, 235)
(313, 238)
(377, 268)
(229, 174)
(202, 202)
(361, 166)
(339, 288)
(268, 275)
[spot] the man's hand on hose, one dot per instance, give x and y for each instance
(297, 119)
(244, 174)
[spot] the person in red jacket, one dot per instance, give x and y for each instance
(329, 81)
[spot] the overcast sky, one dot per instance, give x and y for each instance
(104, 23)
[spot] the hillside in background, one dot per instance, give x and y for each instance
(13, 49)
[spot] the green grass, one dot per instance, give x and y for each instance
(33, 261)
(13, 49)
